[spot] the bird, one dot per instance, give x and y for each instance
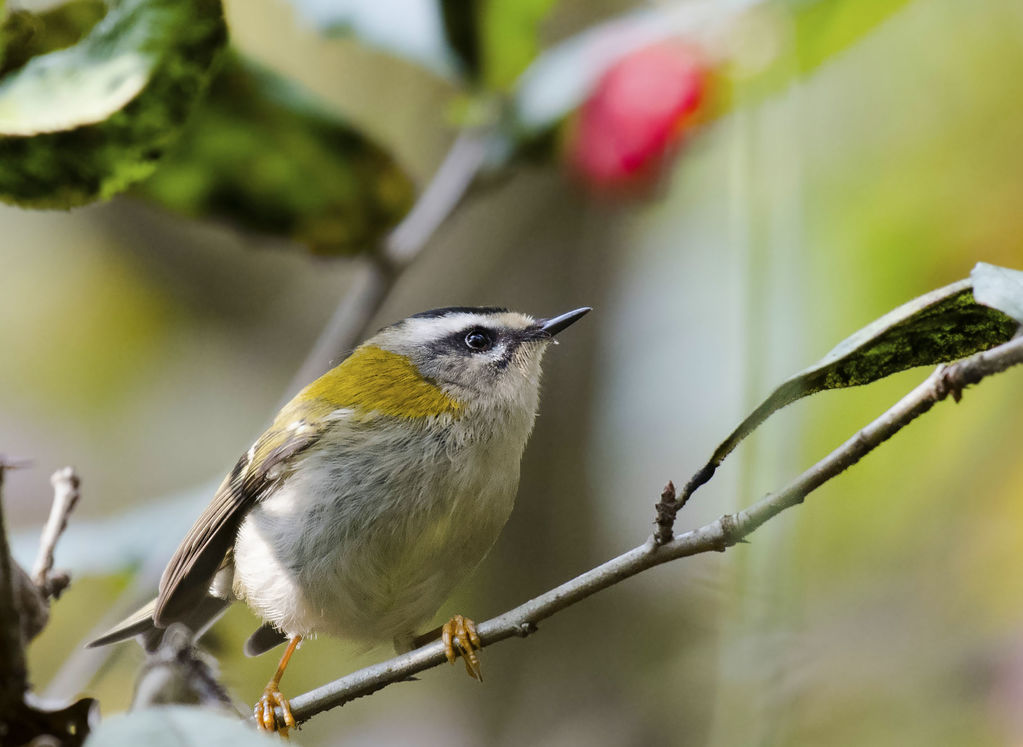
(373, 493)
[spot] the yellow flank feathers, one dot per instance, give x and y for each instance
(375, 380)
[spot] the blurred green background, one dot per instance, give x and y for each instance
(149, 350)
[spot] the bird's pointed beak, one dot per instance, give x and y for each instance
(558, 323)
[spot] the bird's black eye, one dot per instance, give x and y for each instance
(479, 339)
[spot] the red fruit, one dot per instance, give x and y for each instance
(638, 112)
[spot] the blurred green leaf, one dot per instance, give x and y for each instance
(1000, 288)
(267, 156)
(176, 726)
(503, 36)
(412, 30)
(561, 78)
(24, 35)
(82, 123)
(511, 38)
(823, 28)
(491, 41)
(940, 326)
(462, 31)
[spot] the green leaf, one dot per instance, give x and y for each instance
(810, 31)
(489, 42)
(561, 78)
(413, 30)
(823, 28)
(510, 32)
(1000, 288)
(82, 123)
(940, 326)
(462, 31)
(268, 157)
(495, 40)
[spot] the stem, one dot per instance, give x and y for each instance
(65, 495)
(378, 272)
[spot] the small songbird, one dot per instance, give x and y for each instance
(377, 489)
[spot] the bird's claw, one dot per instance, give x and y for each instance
(265, 711)
(461, 639)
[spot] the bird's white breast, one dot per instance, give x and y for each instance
(368, 537)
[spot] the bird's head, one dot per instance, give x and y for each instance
(484, 356)
(445, 361)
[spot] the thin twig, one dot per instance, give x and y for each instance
(379, 271)
(373, 281)
(442, 195)
(65, 495)
(716, 536)
(22, 719)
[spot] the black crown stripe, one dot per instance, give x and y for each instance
(450, 310)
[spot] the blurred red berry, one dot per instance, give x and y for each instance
(638, 112)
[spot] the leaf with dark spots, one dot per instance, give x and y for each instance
(82, 123)
(266, 156)
(940, 326)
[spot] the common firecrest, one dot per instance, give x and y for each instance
(377, 489)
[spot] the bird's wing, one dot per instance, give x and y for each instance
(186, 580)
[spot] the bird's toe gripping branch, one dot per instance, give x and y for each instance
(461, 639)
(264, 711)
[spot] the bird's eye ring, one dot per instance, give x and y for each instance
(479, 340)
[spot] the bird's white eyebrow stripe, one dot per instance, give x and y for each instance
(431, 329)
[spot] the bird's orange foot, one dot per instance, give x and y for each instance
(461, 639)
(264, 711)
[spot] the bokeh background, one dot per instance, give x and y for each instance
(847, 164)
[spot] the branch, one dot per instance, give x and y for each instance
(442, 195)
(65, 495)
(379, 271)
(373, 281)
(716, 536)
(178, 672)
(24, 610)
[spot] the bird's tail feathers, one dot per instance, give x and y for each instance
(135, 624)
(140, 623)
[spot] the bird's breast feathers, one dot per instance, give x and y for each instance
(378, 525)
